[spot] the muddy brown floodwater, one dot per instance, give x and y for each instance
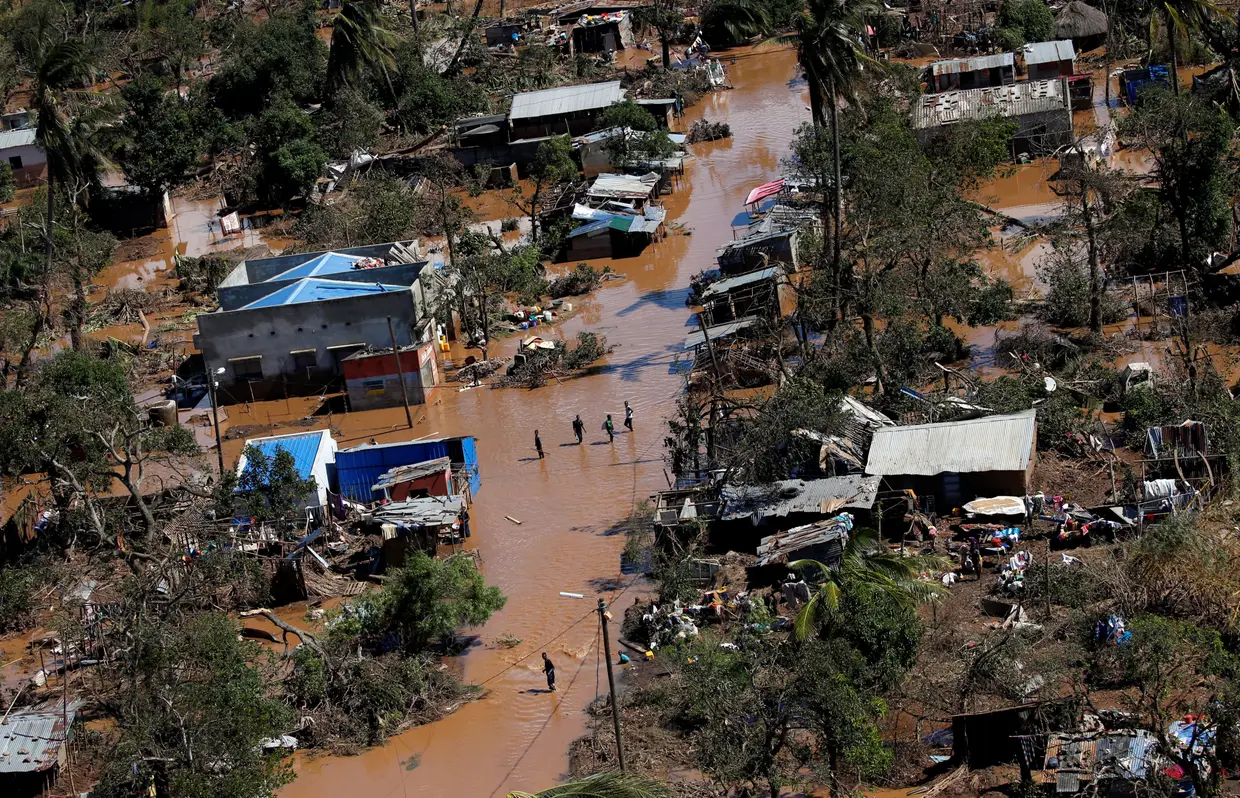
(517, 736)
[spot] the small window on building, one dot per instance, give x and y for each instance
(250, 368)
(374, 387)
(15, 161)
(304, 361)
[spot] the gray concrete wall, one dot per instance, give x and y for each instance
(275, 332)
(259, 269)
(236, 296)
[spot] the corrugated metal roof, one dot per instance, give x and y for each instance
(316, 289)
(778, 547)
(798, 496)
(724, 286)
(565, 100)
(757, 238)
(613, 186)
(1018, 99)
(327, 263)
(30, 738)
(425, 511)
(975, 64)
(408, 473)
(993, 443)
(1049, 52)
(303, 446)
(16, 138)
(696, 338)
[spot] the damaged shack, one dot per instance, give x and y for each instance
(359, 469)
(956, 461)
(764, 292)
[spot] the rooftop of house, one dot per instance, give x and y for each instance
(303, 446)
(316, 289)
(1018, 99)
(565, 100)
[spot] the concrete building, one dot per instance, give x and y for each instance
(311, 451)
(286, 324)
(979, 72)
(958, 460)
(23, 156)
(1050, 60)
(1042, 111)
(372, 379)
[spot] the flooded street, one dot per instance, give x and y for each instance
(517, 736)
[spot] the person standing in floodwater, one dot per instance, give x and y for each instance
(549, 670)
(538, 444)
(579, 429)
(610, 428)
(628, 416)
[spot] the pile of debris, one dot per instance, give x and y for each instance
(703, 130)
(124, 306)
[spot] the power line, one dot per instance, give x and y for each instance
(538, 648)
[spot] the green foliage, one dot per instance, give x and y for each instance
(730, 22)
(8, 184)
(269, 488)
(769, 450)
(423, 603)
(1032, 19)
(18, 584)
(427, 99)
(583, 279)
(974, 149)
(1009, 39)
(350, 123)
(603, 785)
(359, 42)
(640, 138)
(1190, 141)
(193, 710)
(289, 154)
(279, 57)
(1066, 275)
(590, 347)
(379, 208)
(161, 136)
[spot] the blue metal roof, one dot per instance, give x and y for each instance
(303, 446)
(327, 263)
(314, 289)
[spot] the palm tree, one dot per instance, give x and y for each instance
(1183, 18)
(71, 145)
(831, 53)
(865, 561)
(359, 40)
(603, 785)
(736, 21)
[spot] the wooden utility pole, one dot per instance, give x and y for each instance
(400, 373)
(611, 682)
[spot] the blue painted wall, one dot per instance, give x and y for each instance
(357, 469)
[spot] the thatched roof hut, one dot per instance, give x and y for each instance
(1080, 21)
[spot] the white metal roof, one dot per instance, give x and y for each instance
(16, 138)
(1049, 52)
(993, 443)
(696, 339)
(30, 738)
(724, 286)
(613, 186)
(565, 100)
(799, 496)
(1018, 99)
